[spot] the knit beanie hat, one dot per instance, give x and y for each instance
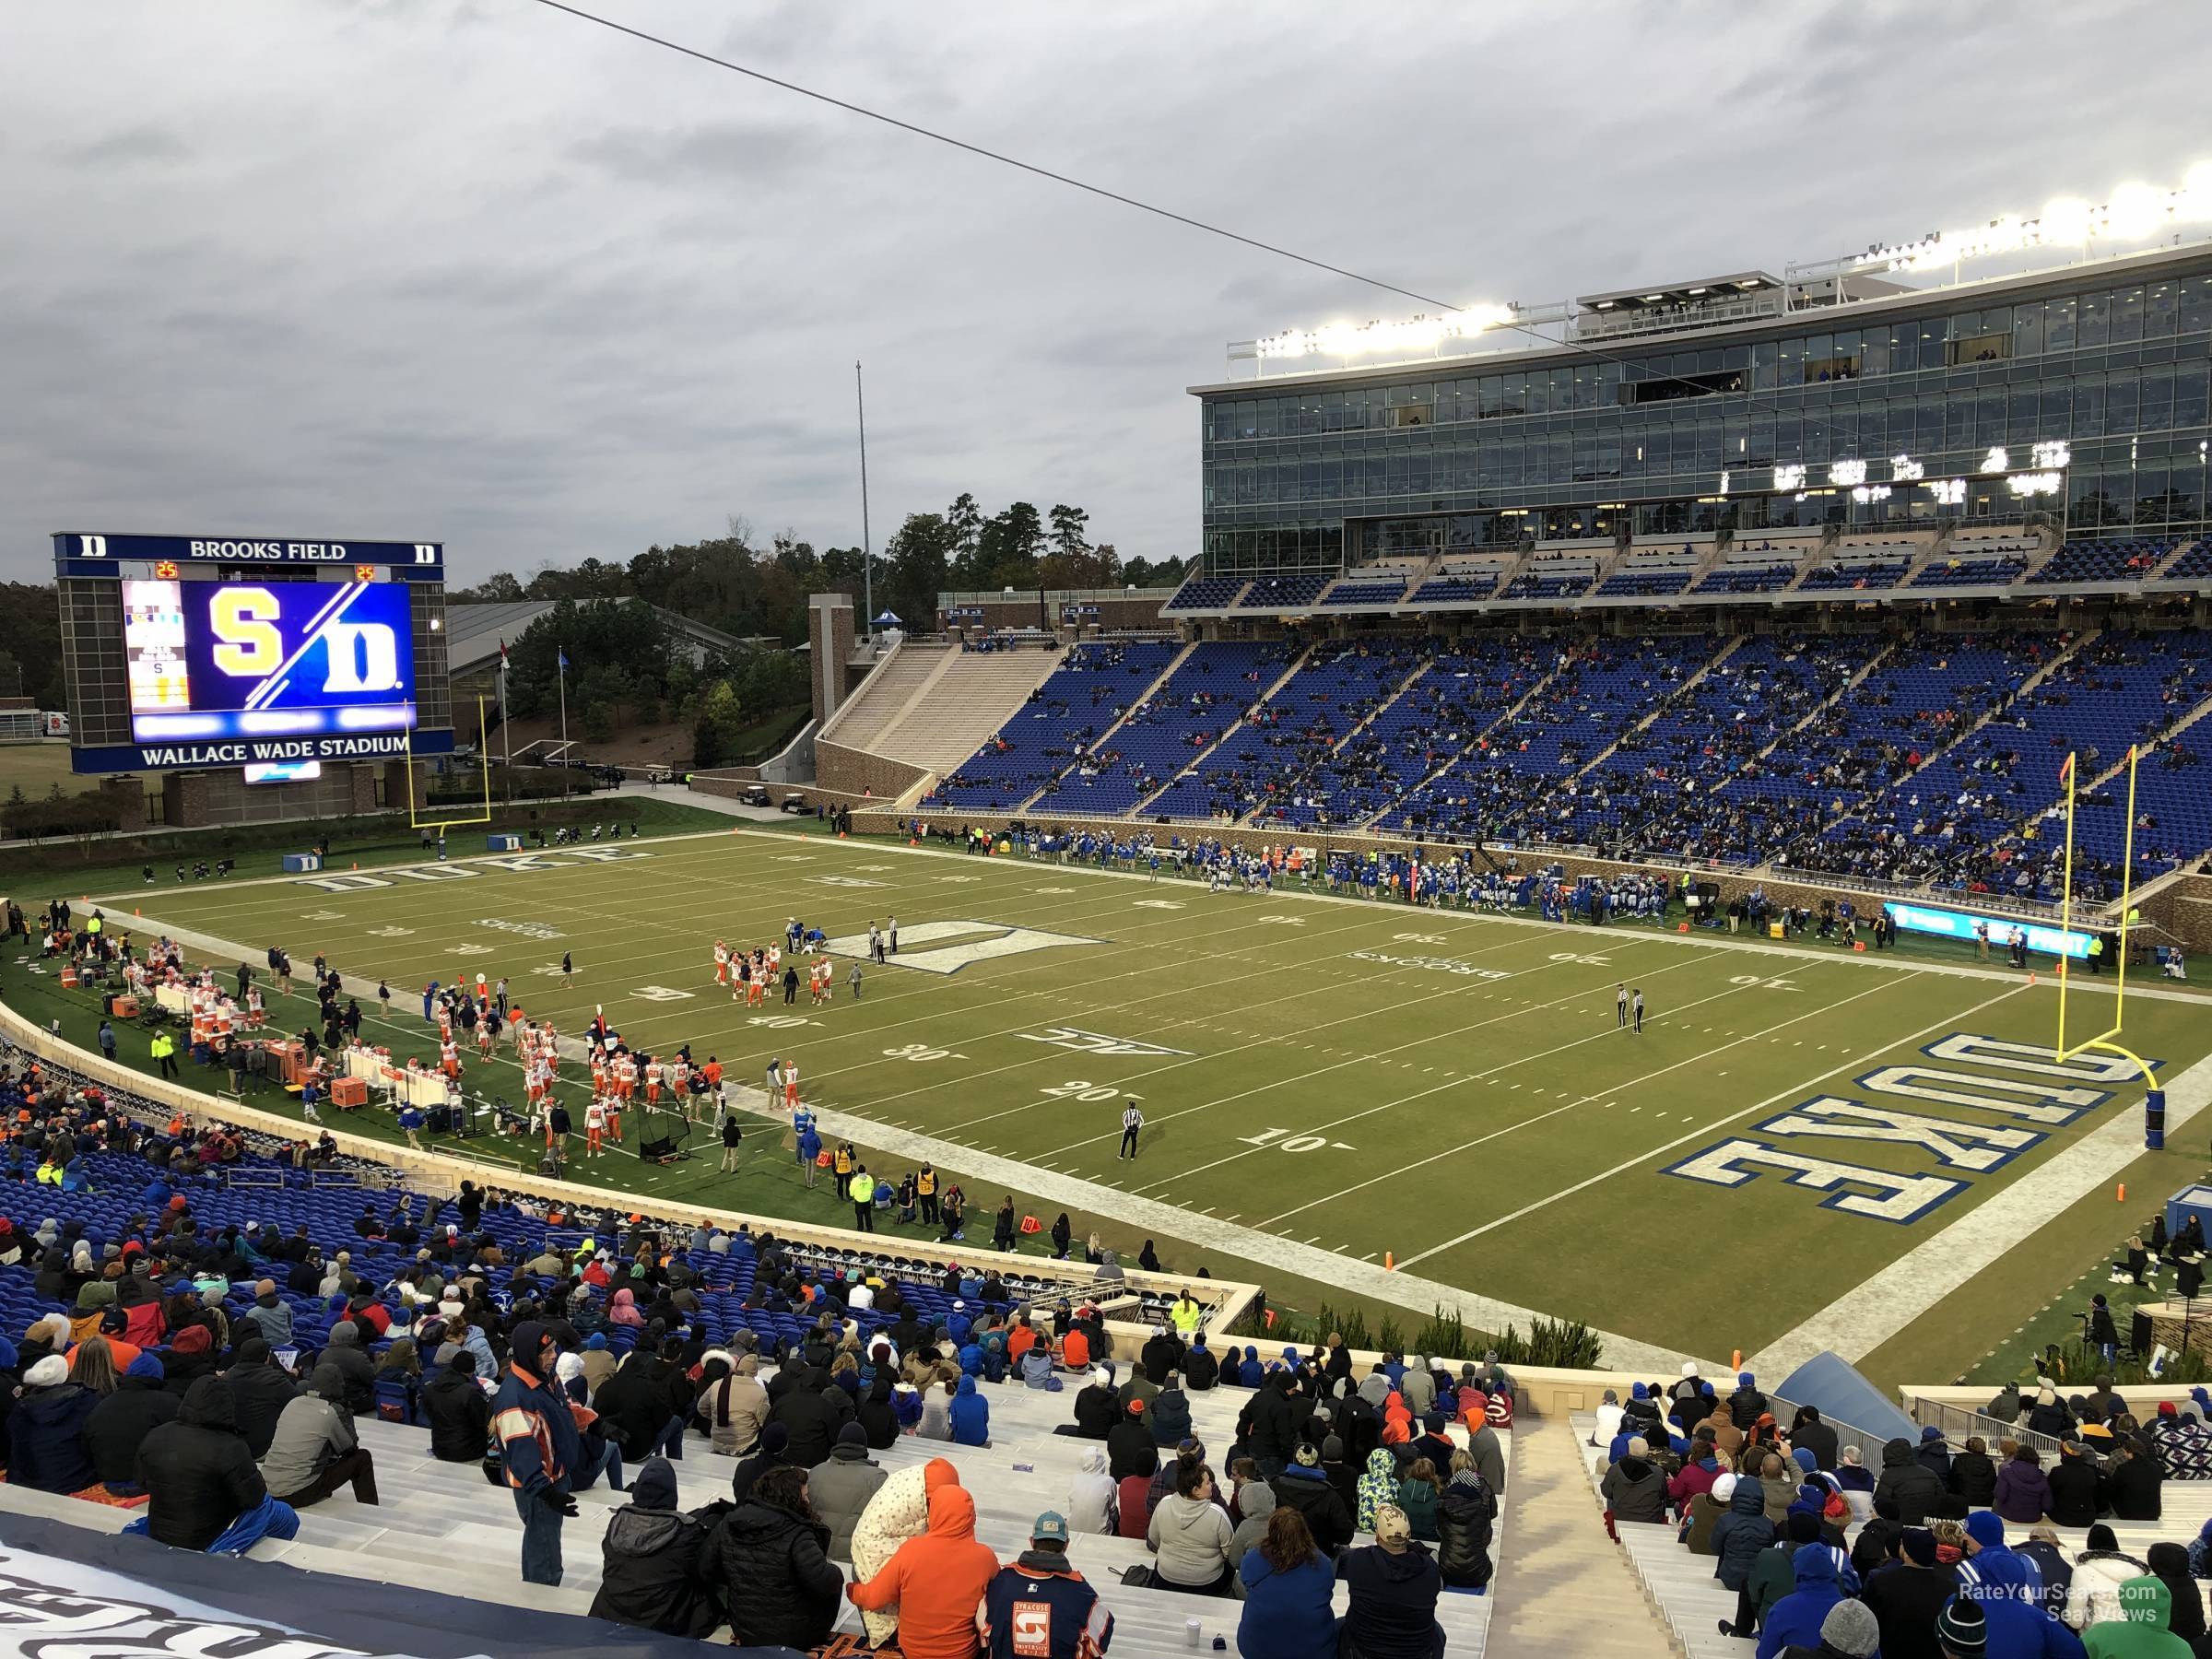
(1850, 1628)
(1962, 1628)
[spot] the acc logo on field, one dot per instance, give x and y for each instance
(948, 947)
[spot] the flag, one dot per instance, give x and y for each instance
(2065, 772)
(502, 653)
(564, 660)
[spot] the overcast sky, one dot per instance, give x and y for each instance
(475, 270)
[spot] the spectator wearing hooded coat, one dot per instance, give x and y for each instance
(1741, 1533)
(1305, 1486)
(2132, 1483)
(198, 1472)
(2053, 1565)
(2023, 1490)
(1172, 1414)
(2168, 1564)
(1746, 1406)
(652, 1561)
(839, 1490)
(270, 1315)
(1130, 1449)
(1817, 1571)
(1272, 1438)
(459, 1411)
(2071, 1488)
(121, 1419)
(1096, 1409)
(1201, 1370)
(1907, 1483)
(1395, 1583)
(770, 1559)
(2049, 1415)
(2093, 1597)
(1634, 1489)
(937, 1581)
(1933, 1455)
(1975, 1475)
(1810, 1433)
(353, 1364)
(970, 1419)
(47, 1450)
(1466, 1519)
(315, 1451)
(1090, 1496)
(259, 1393)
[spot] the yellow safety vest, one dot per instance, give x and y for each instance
(926, 1184)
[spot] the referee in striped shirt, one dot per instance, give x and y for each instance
(1131, 1121)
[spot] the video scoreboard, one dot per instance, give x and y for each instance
(272, 656)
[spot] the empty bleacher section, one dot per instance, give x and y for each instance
(1090, 689)
(2126, 559)
(1206, 693)
(1460, 581)
(1553, 576)
(1295, 591)
(1653, 572)
(922, 711)
(1207, 593)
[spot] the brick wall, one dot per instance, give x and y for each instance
(850, 771)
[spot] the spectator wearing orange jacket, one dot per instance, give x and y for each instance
(936, 1580)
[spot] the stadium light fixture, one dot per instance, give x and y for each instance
(1903, 469)
(1361, 340)
(2134, 212)
(1847, 471)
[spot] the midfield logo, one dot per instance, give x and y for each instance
(948, 947)
(1096, 1042)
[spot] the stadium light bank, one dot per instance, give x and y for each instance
(2134, 212)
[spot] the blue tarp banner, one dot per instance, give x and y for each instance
(1828, 1381)
(69, 1588)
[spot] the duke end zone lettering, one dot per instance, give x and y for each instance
(2017, 1092)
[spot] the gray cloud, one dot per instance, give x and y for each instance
(486, 273)
(125, 147)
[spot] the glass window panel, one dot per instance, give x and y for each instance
(2127, 315)
(2094, 318)
(2121, 396)
(2058, 324)
(1493, 391)
(2189, 395)
(2195, 307)
(1271, 416)
(2157, 413)
(1792, 368)
(2186, 485)
(2159, 305)
(2027, 329)
(1537, 396)
(1763, 357)
(1989, 418)
(1514, 395)
(1932, 413)
(1562, 389)
(1873, 352)
(2054, 412)
(1958, 424)
(2089, 407)
(2151, 503)
(2020, 425)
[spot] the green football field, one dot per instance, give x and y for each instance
(1317, 1075)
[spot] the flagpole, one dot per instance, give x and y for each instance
(560, 660)
(867, 551)
(506, 731)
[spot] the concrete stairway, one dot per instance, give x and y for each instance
(1569, 1590)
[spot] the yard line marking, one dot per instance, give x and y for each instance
(1697, 1059)
(1867, 1058)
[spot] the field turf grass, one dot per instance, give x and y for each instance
(1362, 1076)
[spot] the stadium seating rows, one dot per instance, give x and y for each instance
(1082, 698)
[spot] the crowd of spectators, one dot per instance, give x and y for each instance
(1916, 1558)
